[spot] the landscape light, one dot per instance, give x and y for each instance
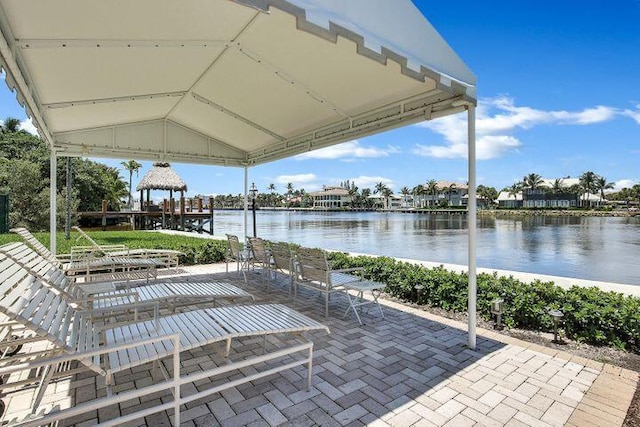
(556, 315)
(497, 307)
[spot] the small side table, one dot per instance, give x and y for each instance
(358, 300)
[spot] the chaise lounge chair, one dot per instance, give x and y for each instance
(76, 338)
(91, 268)
(170, 258)
(104, 298)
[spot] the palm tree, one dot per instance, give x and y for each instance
(365, 193)
(432, 189)
(405, 192)
(11, 124)
(272, 191)
(557, 187)
(532, 181)
(452, 187)
(417, 192)
(601, 184)
(353, 193)
(587, 183)
(381, 188)
(131, 166)
(515, 189)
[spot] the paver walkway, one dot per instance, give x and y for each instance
(409, 369)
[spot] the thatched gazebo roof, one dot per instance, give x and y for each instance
(162, 177)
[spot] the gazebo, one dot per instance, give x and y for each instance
(230, 83)
(161, 177)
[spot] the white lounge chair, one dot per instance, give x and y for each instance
(92, 268)
(104, 298)
(76, 338)
(169, 257)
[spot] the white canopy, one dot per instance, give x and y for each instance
(224, 82)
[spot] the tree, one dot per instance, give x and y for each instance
(366, 201)
(11, 124)
(587, 184)
(532, 181)
(489, 194)
(452, 187)
(24, 174)
(557, 187)
(382, 189)
(602, 184)
(131, 166)
(432, 189)
(405, 193)
(417, 192)
(515, 189)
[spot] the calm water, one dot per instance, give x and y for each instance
(590, 248)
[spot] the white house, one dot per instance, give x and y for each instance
(331, 198)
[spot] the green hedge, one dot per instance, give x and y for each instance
(196, 250)
(591, 315)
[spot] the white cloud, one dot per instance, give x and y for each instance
(634, 114)
(371, 181)
(303, 178)
(496, 121)
(348, 151)
(27, 125)
(624, 183)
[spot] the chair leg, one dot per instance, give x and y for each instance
(326, 305)
(47, 374)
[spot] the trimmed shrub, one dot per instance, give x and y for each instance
(591, 315)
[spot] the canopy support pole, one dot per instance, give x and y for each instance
(246, 202)
(67, 224)
(471, 223)
(53, 168)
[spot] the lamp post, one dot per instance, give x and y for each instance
(253, 192)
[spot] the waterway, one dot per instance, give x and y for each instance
(593, 248)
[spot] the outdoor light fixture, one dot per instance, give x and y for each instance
(497, 307)
(556, 315)
(253, 193)
(418, 289)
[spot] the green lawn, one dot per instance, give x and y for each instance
(197, 250)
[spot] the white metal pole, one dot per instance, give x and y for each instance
(471, 224)
(246, 202)
(52, 201)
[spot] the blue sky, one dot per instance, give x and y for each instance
(559, 94)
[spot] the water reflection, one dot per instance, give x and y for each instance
(584, 247)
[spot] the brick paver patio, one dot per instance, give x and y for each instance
(409, 369)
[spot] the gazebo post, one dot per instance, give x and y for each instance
(183, 211)
(141, 218)
(164, 213)
(147, 221)
(172, 207)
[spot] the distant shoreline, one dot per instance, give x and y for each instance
(480, 212)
